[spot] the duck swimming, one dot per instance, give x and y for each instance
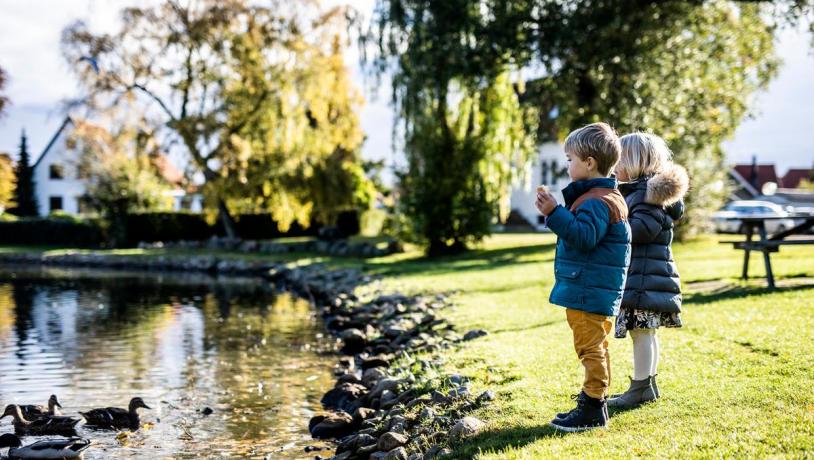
(47, 424)
(115, 417)
(49, 448)
(31, 411)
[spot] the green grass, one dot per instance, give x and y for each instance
(736, 380)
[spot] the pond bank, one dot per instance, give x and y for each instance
(386, 402)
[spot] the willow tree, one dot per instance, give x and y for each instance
(685, 70)
(464, 128)
(212, 70)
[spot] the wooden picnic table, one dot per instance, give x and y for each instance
(768, 244)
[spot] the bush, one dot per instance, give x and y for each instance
(166, 226)
(56, 231)
(263, 227)
(348, 223)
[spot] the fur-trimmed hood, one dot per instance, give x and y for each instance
(668, 186)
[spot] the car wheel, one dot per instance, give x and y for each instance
(780, 229)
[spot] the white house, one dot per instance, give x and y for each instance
(549, 169)
(59, 185)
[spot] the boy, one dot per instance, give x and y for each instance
(590, 266)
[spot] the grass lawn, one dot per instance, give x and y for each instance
(736, 380)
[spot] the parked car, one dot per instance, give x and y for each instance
(727, 219)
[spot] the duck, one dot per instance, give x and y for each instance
(31, 411)
(48, 448)
(116, 417)
(47, 424)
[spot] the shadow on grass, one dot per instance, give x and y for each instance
(734, 291)
(479, 259)
(499, 440)
(526, 328)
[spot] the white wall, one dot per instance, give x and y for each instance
(522, 198)
(70, 188)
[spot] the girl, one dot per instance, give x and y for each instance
(654, 188)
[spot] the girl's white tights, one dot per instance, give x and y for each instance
(645, 353)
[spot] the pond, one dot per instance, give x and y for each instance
(183, 343)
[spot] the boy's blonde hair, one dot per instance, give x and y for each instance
(598, 141)
(643, 154)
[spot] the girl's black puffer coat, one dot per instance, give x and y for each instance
(654, 203)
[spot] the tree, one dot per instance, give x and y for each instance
(688, 76)
(299, 158)
(3, 99)
(465, 132)
(24, 195)
(7, 182)
(685, 70)
(120, 176)
(217, 74)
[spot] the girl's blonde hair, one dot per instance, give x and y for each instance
(643, 154)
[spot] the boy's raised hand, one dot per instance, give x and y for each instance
(545, 202)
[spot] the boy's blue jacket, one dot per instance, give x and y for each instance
(593, 247)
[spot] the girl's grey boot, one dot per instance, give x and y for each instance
(640, 391)
(655, 387)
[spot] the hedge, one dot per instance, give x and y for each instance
(59, 231)
(152, 227)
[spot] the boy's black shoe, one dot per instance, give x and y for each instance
(589, 414)
(562, 415)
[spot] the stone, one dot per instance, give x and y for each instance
(355, 442)
(458, 392)
(363, 413)
(334, 425)
(396, 420)
(343, 395)
(380, 360)
(372, 376)
(438, 397)
(426, 414)
(342, 456)
(423, 400)
(366, 450)
(382, 386)
(390, 441)
(398, 453)
(466, 428)
(474, 334)
(353, 341)
(486, 396)
(379, 455)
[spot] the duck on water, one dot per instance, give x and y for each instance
(46, 449)
(116, 417)
(47, 424)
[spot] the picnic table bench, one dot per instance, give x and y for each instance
(768, 244)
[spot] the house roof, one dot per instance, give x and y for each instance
(167, 170)
(757, 175)
(794, 176)
(53, 140)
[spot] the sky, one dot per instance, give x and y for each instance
(780, 132)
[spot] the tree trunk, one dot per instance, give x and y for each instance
(226, 219)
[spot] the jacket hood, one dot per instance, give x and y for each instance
(577, 188)
(668, 186)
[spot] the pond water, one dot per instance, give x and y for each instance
(258, 358)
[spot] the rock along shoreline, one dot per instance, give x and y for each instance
(390, 401)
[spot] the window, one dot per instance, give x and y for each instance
(55, 203)
(55, 171)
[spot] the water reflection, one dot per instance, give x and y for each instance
(182, 343)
